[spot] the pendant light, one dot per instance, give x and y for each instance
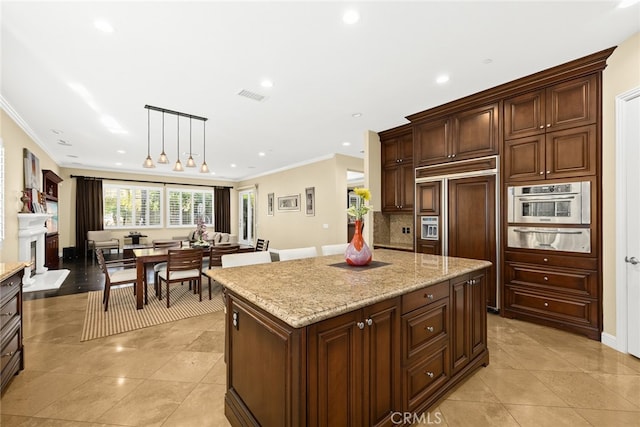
(190, 162)
(178, 167)
(163, 157)
(204, 168)
(148, 163)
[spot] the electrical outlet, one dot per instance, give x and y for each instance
(408, 230)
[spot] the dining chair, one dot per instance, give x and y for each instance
(162, 244)
(215, 259)
(297, 253)
(246, 258)
(182, 265)
(262, 245)
(125, 273)
(337, 249)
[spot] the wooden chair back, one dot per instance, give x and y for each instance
(184, 260)
(158, 244)
(262, 245)
(216, 253)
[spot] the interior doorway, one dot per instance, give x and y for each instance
(354, 180)
(247, 219)
(627, 224)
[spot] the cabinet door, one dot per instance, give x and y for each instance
(431, 142)
(478, 316)
(572, 103)
(390, 179)
(428, 198)
(405, 147)
(406, 187)
(460, 310)
(389, 153)
(336, 372)
(524, 115)
(472, 224)
(475, 133)
(52, 259)
(430, 247)
(381, 362)
(524, 159)
(571, 152)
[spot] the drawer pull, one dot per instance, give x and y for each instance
(8, 284)
(546, 278)
(546, 304)
(11, 353)
(360, 325)
(7, 314)
(428, 296)
(429, 374)
(546, 259)
(369, 322)
(428, 328)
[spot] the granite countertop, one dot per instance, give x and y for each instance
(401, 246)
(303, 292)
(10, 268)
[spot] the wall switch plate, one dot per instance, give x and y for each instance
(325, 226)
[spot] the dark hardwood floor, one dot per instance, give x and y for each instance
(84, 276)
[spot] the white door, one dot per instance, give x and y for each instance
(247, 220)
(630, 139)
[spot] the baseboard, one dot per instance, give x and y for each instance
(609, 340)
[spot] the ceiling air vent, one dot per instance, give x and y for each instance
(251, 95)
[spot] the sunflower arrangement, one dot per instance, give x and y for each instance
(360, 209)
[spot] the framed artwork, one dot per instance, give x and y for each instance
(289, 203)
(310, 201)
(32, 173)
(270, 204)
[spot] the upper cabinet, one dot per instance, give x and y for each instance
(551, 133)
(561, 106)
(465, 135)
(397, 170)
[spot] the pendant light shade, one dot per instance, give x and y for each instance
(190, 162)
(178, 167)
(163, 157)
(204, 168)
(148, 162)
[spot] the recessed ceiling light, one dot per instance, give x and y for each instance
(63, 142)
(487, 61)
(266, 83)
(356, 115)
(72, 156)
(103, 26)
(262, 154)
(121, 152)
(56, 131)
(118, 164)
(442, 79)
(346, 143)
(351, 17)
(233, 165)
(251, 167)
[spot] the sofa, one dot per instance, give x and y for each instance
(215, 237)
(101, 239)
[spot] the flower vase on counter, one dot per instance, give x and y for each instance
(358, 252)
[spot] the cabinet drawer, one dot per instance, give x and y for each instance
(553, 260)
(577, 282)
(10, 348)
(9, 311)
(425, 377)
(422, 328)
(424, 296)
(10, 287)
(551, 306)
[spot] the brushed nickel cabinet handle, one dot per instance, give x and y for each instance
(542, 173)
(429, 374)
(11, 353)
(360, 325)
(546, 278)
(429, 328)
(369, 322)
(428, 296)
(7, 314)
(546, 304)
(8, 284)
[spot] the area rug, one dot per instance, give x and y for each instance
(123, 316)
(50, 279)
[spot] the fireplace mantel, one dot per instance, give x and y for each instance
(31, 228)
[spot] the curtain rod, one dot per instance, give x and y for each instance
(149, 182)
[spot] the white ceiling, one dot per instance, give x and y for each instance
(59, 72)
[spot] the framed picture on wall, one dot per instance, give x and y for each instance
(32, 173)
(270, 204)
(289, 203)
(310, 201)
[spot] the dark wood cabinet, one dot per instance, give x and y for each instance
(50, 181)
(561, 106)
(569, 153)
(397, 170)
(11, 345)
(350, 353)
(52, 252)
(468, 321)
(465, 135)
(428, 198)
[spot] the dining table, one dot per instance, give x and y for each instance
(146, 256)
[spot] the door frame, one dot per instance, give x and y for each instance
(254, 226)
(620, 341)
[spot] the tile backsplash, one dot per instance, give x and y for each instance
(387, 228)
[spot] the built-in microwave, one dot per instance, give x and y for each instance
(568, 203)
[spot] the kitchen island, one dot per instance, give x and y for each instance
(317, 342)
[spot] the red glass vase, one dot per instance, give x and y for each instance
(358, 253)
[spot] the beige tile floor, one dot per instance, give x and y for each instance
(174, 375)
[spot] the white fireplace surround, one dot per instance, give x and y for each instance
(31, 228)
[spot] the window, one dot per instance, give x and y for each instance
(186, 206)
(132, 207)
(247, 220)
